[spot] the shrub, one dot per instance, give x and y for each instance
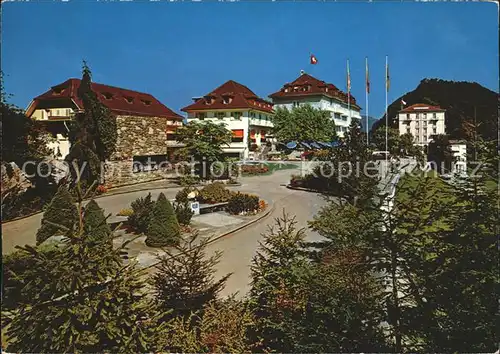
(125, 212)
(243, 203)
(182, 195)
(101, 189)
(215, 193)
(61, 211)
(142, 208)
(183, 212)
(95, 224)
(254, 169)
(163, 228)
(189, 180)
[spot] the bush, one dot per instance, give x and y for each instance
(101, 189)
(254, 169)
(163, 228)
(61, 211)
(125, 212)
(243, 203)
(215, 193)
(189, 180)
(182, 195)
(183, 213)
(142, 208)
(95, 224)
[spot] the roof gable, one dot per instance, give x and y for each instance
(118, 100)
(307, 85)
(230, 95)
(422, 107)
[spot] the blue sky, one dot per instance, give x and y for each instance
(177, 50)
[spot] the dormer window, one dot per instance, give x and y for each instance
(227, 99)
(107, 95)
(209, 99)
(129, 99)
(57, 90)
(146, 102)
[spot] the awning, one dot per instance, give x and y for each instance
(291, 145)
(252, 134)
(324, 144)
(238, 133)
(315, 145)
(262, 133)
(306, 145)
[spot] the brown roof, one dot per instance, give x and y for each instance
(118, 100)
(230, 95)
(423, 108)
(307, 85)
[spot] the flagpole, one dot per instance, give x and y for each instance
(366, 95)
(349, 91)
(386, 115)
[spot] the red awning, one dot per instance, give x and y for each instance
(238, 133)
(252, 134)
(262, 133)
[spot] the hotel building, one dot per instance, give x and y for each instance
(321, 95)
(423, 121)
(246, 115)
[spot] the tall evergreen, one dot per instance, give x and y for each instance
(60, 216)
(95, 223)
(82, 299)
(163, 228)
(185, 279)
(94, 132)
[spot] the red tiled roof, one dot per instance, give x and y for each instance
(239, 96)
(118, 100)
(306, 85)
(422, 107)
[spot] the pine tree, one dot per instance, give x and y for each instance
(163, 228)
(94, 133)
(277, 295)
(60, 216)
(95, 223)
(184, 281)
(82, 299)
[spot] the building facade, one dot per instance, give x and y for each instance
(145, 127)
(459, 153)
(245, 114)
(423, 121)
(321, 95)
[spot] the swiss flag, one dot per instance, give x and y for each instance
(314, 60)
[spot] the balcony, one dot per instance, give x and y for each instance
(260, 122)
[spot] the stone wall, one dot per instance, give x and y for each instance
(137, 136)
(140, 136)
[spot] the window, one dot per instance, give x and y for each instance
(200, 115)
(295, 104)
(68, 111)
(221, 115)
(108, 95)
(434, 130)
(434, 115)
(407, 130)
(146, 102)
(408, 116)
(129, 99)
(236, 115)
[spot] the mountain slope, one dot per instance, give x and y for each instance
(371, 121)
(459, 99)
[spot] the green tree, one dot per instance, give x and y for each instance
(277, 297)
(93, 134)
(203, 142)
(81, 300)
(163, 228)
(184, 281)
(439, 152)
(303, 123)
(60, 217)
(95, 223)
(222, 328)
(393, 140)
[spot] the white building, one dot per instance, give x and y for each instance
(423, 121)
(459, 153)
(321, 95)
(242, 111)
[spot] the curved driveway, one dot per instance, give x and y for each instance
(238, 248)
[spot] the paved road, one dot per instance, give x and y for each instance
(238, 249)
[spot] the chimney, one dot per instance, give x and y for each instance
(302, 72)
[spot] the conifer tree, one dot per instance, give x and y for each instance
(60, 216)
(185, 279)
(82, 299)
(95, 223)
(94, 132)
(163, 228)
